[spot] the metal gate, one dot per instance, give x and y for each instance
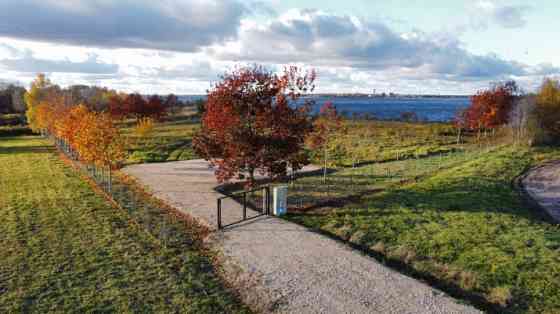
(243, 206)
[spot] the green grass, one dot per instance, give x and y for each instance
(169, 141)
(65, 249)
(440, 211)
(376, 141)
(456, 221)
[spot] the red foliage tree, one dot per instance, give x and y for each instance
(155, 108)
(116, 107)
(135, 106)
(254, 122)
(490, 108)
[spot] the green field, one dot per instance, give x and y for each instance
(407, 194)
(169, 141)
(65, 249)
(454, 220)
(378, 141)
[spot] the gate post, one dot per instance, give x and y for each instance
(219, 213)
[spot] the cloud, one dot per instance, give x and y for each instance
(27, 63)
(507, 16)
(178, 25)
(324, 39)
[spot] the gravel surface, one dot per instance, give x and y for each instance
(281, 267)
(543, 185)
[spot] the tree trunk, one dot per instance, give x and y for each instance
(252, 177)
(325, 166)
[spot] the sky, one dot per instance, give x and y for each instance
(184, 46)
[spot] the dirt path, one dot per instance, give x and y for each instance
(543, 185)
(282, 267)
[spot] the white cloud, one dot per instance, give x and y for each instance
(27, 63)
(168, 46)
(184, 25)
(324, 39)
(507, 16)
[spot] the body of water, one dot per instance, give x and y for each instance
(433, 109)
(426, 109)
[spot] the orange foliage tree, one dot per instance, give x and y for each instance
(98, 140)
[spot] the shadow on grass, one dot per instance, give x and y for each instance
(14, 131)
(26, 149)
(476, 194)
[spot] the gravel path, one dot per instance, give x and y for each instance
(543, 185)
(281, 267)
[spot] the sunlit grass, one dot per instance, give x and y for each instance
(65, 249)
(169, 141)
(458, 221)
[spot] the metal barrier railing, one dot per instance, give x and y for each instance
(241, 198)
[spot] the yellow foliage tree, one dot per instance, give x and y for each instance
(548, 108)
(33, 97)
(144, 127)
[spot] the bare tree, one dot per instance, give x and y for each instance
(521, 120)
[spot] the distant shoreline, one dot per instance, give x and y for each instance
(334, 95)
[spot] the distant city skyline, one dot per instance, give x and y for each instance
(356, 46)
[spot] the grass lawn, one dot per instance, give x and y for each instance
(441, 211)
(456, 221)
(169, 141)
(378, 141)
(65, 249)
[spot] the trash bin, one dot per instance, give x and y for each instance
(280, 200)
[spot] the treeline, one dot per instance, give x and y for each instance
(532, 118)
(97, 99)
(88, 135)
(11, 99)
(83, 119)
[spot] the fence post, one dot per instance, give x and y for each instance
(219, 213)
(245, 206)
(110, 181)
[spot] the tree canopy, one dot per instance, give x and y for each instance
(254, 121)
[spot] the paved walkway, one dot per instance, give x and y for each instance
(543, 185)
(282, 267)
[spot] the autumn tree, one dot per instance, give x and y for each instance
(155, 108)
(255, 121)
(68, 124)
(490, 108)
(135, 106)
(324, 127)
(98, 140)
(548, 108)
(40, 92)
(116, 107)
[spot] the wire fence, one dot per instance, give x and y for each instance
(346, 185)
(168, 228)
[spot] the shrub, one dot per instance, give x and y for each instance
(144, 127)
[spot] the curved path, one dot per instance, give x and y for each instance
(543, 185)
(282, 267)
